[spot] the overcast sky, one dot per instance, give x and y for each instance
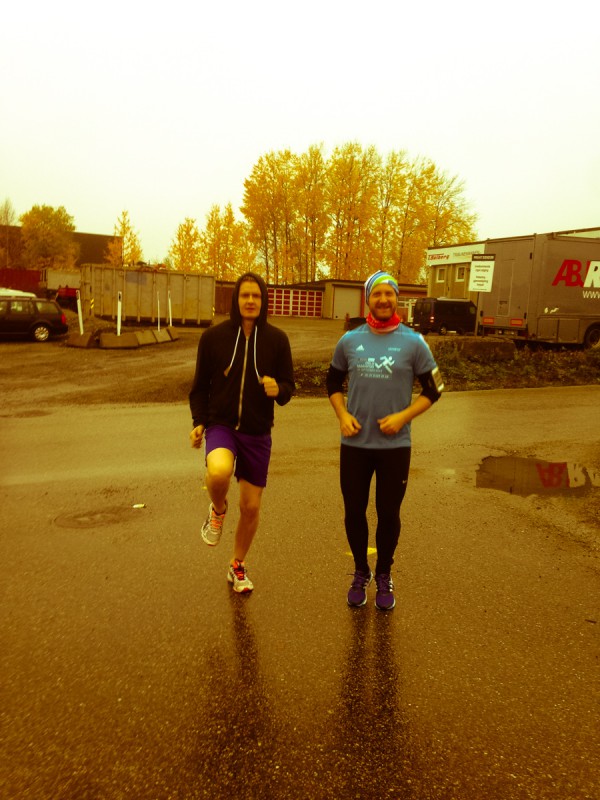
(162, 110)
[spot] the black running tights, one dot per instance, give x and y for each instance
(357, 466)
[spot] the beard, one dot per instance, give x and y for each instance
(383, 313)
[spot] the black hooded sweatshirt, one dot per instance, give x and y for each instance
(227, 387)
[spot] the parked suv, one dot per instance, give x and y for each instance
(441, 314)
(31, 316)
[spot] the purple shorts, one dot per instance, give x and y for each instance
(252, 453)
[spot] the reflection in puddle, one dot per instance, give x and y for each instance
(525, 476)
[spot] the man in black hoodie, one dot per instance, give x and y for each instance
(244, 365)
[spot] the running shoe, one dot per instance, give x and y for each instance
(237, 575)
(357, 594)
(384, 598)
(213, 526)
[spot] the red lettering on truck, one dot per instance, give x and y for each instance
(571, 273)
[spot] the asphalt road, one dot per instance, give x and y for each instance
(130, 670)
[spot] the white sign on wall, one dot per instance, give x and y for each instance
(482, 272)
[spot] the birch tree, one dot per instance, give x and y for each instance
(269, 206)
(125, 249)
(185, 252)
(312, 220)
(351, 201)
(350, 214)
(226, 249)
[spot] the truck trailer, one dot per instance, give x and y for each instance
(545, 288)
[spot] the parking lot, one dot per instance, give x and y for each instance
(130, 670)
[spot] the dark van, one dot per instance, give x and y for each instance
(441, 314)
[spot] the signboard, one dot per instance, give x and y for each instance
(453, 254)
(482, 272)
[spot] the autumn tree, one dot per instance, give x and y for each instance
(47, 237)
(391, 188)
(185, 253)
(125, 249)
(449, 218)
(9, 242)
(225, 245)
(433, 212)
(409, 236)
(350, 214)
(270, 207)
(244, 257)
(353, 175)
(312, 219)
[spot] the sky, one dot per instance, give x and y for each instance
(163, 110)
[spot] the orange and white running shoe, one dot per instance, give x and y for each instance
(238, 577)
(213, 526)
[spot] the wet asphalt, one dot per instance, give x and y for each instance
(131, 670)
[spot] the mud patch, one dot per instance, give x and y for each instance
(97, 519)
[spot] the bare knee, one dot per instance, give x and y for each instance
(219, 468)
(249, 508)
(219, 475)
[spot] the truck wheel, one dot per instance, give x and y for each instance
(591, 339)
(41, 332)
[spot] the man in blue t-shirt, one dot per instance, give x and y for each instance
(381, 359)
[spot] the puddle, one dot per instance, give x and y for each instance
(525, 476)
(96, 519)
(26, 414)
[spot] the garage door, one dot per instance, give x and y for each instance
(346, 300)
(295, 302)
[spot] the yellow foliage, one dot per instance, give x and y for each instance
(346, 216)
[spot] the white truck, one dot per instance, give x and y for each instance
(545, 288)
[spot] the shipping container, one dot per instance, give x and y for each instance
(148, 295)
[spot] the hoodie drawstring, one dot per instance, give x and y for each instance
(226, 373)
(255, 365)
(237, 339)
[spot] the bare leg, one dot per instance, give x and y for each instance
(250, 498)
(219, 469)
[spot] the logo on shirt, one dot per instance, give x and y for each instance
(373, 368)
(360, 348)
(386, 363)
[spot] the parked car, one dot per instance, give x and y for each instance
(15, 293)
(441, 314)
(31, 316)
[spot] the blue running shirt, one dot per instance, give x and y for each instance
(381, 371)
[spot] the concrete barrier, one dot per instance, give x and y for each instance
(126, 341)
(81, 340)
(173, 333)
(145, 337)
(162, 336)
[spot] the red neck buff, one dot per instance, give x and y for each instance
(381, 326)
